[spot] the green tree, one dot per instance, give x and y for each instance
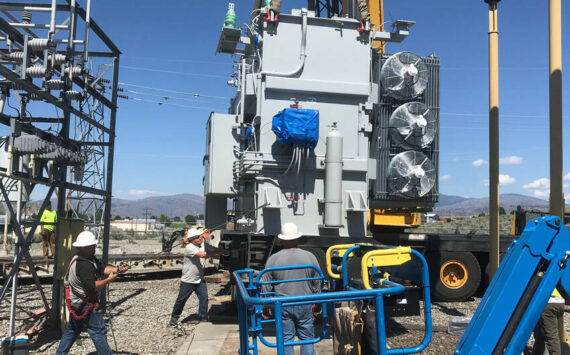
(163, 218)
(117, 217)
(502, 210)
(200, 216)
(154, 217)
(189, 218)
(176, 219)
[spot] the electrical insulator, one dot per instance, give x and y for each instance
(122, 96)
(26, 16)
(36, 71)
(38, 44)
(76, 71)
(73, 95)
(59, 59)
(17, 56)
(55, 84)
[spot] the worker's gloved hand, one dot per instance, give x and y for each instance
(317, 309)
(123, 268)
(112, 276)
(267, 313)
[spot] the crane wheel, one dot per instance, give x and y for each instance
(458, 276)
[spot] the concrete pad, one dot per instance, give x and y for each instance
(223, 339)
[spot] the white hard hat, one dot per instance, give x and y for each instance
(85, 239)
(289, 231)
(193, 233)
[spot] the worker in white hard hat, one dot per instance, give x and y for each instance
(192, 279)
(84, 281)
(297, 320)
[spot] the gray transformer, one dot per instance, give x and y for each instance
(327, 66)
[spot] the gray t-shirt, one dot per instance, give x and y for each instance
(293, 256)
(193, 268)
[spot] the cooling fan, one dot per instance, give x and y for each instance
(413, 124)
(411, 174)
(404, 76)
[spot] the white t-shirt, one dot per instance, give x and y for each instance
(193, 268)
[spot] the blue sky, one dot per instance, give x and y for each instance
(171, 45)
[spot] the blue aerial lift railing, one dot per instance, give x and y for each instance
(533, 266)
(380, 327)
(250, 302)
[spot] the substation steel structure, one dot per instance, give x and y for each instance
(55, 58)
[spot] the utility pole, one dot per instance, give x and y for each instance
(493, 138)
(555, 53)
(146, 214)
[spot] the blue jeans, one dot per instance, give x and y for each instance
(298, 320)
(95, 326)
(186, 290)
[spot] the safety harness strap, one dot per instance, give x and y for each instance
(91, 301)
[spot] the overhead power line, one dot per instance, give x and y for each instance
(163, 103)
(176, 92)
(166, 97)
(174, 72)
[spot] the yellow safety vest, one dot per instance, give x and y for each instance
(49, 217)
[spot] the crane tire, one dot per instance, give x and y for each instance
(457, 277)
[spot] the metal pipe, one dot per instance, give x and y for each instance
(110, 162)
(87, 28)
(2, 102)
(33, 25)
(52, 19)
(333, 179)
(14, 283)
(301, 65)
(16, 252)
(493, 138)
(555, 52)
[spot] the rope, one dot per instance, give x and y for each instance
(111, 322)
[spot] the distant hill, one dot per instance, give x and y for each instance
(446, 200)
(470, 206)
(173, 205)
(183, 204)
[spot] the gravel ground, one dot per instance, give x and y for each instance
(140, 309)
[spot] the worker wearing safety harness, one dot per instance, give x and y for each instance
(547, 332)
(84, 279)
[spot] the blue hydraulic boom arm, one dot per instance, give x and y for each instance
(533, 266)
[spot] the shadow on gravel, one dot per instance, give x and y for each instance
(120, 301)
(447, 310)
(45, 340)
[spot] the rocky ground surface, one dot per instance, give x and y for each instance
(140, 309)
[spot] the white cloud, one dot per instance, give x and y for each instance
(541, 184)
(140, 193)
(479, 162)
(505, 179)
(541, 193)
(567, 176)
(512, 160)
(445, 178)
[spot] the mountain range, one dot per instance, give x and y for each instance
(463, 206)
(181, 205)
(184, 204)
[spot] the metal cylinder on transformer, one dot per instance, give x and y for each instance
(333, 179)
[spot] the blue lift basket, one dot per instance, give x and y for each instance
(251, 300)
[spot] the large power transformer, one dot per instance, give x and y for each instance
(322, 129)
